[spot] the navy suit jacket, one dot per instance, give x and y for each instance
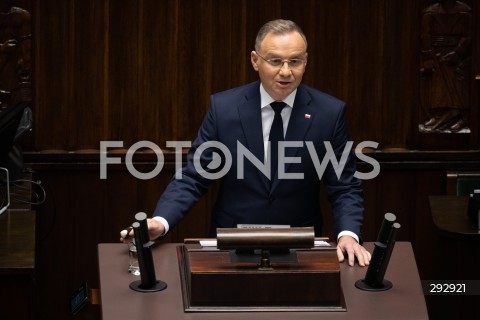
(235, 116)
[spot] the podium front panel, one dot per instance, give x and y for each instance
(215, 281)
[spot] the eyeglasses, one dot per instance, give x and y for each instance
(277, 62)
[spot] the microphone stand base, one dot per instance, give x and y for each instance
(386, 285)
(137, 286)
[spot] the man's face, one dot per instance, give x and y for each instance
(280, 81)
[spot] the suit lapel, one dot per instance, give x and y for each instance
(300, 119)
(251, 119)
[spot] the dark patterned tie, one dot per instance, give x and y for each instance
(276, 135)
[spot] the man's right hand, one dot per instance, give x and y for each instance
(155, 230)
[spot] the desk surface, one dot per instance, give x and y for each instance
(449, 215)
(17, 246)
(404, 301)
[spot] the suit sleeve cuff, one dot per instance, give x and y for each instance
(348, 233)
(164, 222)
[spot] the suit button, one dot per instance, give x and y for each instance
(271, 199)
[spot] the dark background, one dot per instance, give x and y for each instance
(132, 70)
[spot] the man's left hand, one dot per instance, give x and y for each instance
(348, 246)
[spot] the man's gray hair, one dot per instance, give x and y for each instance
(277, 27)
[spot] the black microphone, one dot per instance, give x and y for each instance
(148, 282)
(374, 277)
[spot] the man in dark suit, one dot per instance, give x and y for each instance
(243, 120)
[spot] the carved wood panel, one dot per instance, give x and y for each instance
(15, 54)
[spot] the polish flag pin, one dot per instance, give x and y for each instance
(307, 116)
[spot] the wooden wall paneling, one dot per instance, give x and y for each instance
(159, 82)
(16, 297)
(54, 247)
(231, 45)
(259, 12)
(399, 112)
(329, 36)
(133, 70)
(92, 212)
(475, 112)
(427, 183)
(87, 90)
(124, 71)
(53, 68)
(195, 66)
(367, 75)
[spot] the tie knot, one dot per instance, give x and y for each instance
(277, 106)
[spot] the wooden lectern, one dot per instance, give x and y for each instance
(119, 302)
(228, 280)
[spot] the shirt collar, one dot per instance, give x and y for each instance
(265, 98)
